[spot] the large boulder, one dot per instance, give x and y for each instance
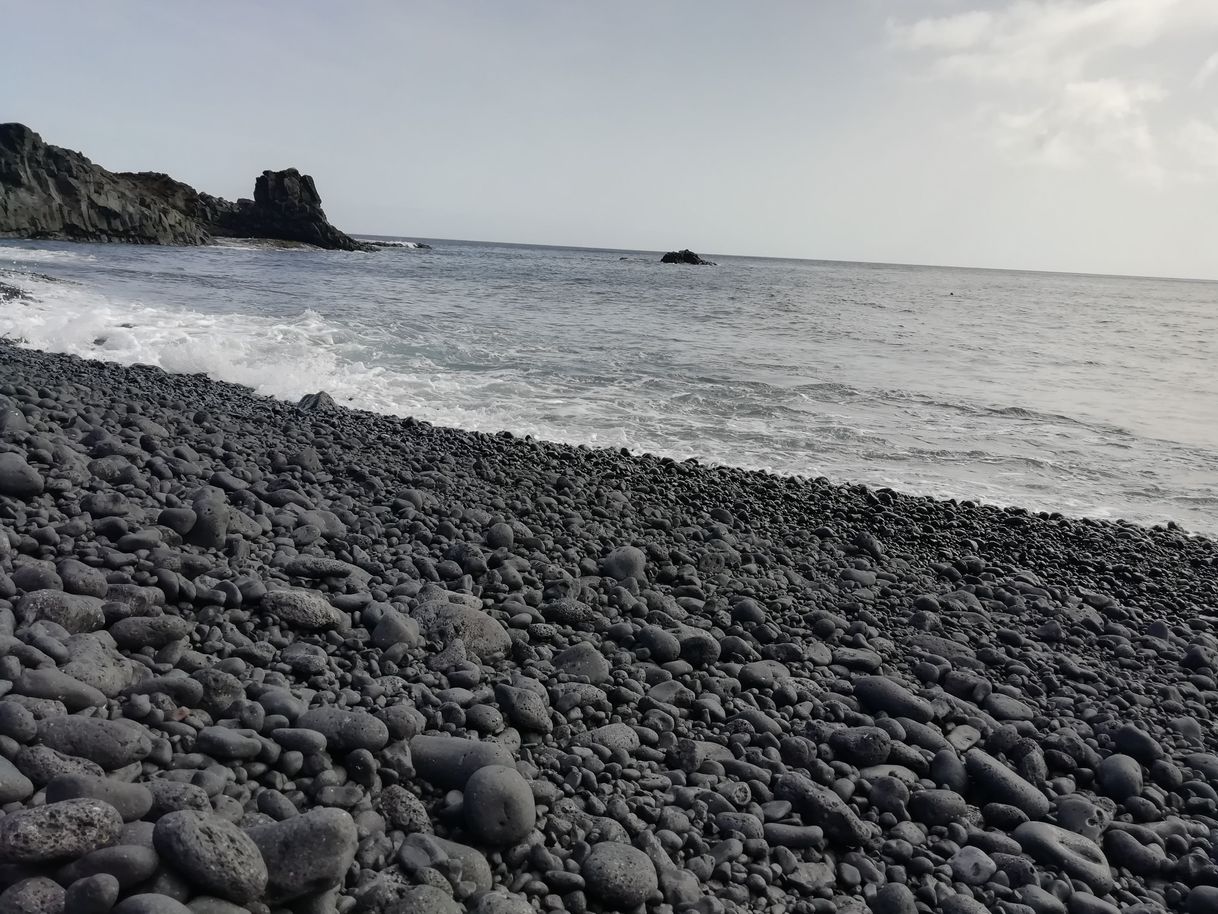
(286, 206)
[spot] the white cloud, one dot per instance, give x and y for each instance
(948, 33)
(1059, 74)
(1207, 70)
(1098, 118)
(1198, 140)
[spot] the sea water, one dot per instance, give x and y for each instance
(1090, 395)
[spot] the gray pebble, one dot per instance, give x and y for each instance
(92, 895)
(69, 828)
(213, 854)
(307, 853)
(498, 806)
(37, 895)
(619, 875)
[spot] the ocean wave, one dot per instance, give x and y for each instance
(16, 253)
(483, 381)
(389, 244)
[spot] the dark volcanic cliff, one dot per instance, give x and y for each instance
(49, 192)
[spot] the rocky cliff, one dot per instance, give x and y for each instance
(49, 192)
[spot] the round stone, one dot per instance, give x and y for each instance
(498, 806)
(861, 746)
(212, 853)
(37, 895)
(937, 807)
(619, 875)
(893, 898)
(70, 828)
(1119, 777)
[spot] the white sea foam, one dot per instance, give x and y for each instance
(391, 244)
(15, 254)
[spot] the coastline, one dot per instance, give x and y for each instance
(635, 635)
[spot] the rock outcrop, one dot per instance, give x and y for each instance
(49, 192)
(686, 256)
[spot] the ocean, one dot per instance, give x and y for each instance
(1088, 395)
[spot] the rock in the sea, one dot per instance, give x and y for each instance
(685, 255)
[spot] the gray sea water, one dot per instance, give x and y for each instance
(1089, 395)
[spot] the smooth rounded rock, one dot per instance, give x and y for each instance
(92, 895)
(345, 729)
(619, 875)
(150, 903)
(14, 785)
(110, 743)
(307, 853)
(18, 479)
(1119, 777)
(996, 782)
(883, 694)
(1075, 855)
(893, 898)
(861, 746)
(427, 899)
(498, 806)
(213, 854)
(450, 761)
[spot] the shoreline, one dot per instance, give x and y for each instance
(473, 671)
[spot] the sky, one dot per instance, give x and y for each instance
(1076, 135)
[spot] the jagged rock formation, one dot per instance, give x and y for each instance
(49, 192)
(685, 255)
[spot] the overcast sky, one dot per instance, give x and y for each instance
(1044, 134)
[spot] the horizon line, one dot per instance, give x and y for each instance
(869, 263)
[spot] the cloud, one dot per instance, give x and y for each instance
(948, 33)
(1087, 120)
(1198, 140)
(1207, 70)
(1059, 75)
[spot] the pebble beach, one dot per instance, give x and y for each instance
(264, 656)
